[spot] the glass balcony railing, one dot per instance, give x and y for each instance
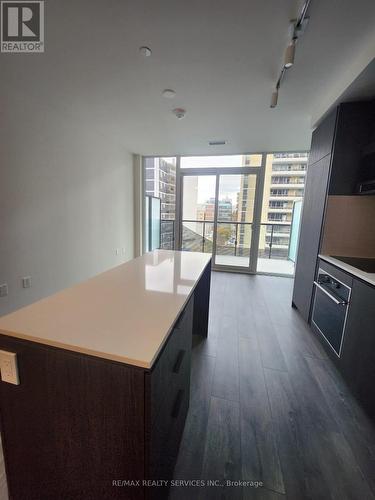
(234, 238)
(197, 236)
(167, 234)
(274, 240)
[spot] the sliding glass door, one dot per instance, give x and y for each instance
(219, 216)
(198, 213)
(234, 219)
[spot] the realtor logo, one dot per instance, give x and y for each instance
(22, 26)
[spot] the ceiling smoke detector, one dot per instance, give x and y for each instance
(145, 51)
(179, 113)
(168, 93)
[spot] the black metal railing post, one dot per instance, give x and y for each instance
(271, 241)
(203, 234)
(235, 241)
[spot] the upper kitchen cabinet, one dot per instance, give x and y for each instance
(322, 138)
(354, 128)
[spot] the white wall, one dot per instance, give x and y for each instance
(66, 203)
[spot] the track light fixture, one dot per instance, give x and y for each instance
(289, 54)
(274, 97)
(298, 29)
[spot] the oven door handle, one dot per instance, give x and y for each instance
(332, 297)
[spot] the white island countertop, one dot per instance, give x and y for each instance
(124, 314)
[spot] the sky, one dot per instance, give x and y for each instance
(229, 184)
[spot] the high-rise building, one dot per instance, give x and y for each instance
(206, 211)
(284, 184)
(245, 213)
(160, 181)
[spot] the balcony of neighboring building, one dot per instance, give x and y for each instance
(290, 157)
(280, 210)
(288, 172)
(285, 182)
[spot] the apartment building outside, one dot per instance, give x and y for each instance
(160, 182)
(283, 185)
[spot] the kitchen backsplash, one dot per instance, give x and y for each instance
(349, 228)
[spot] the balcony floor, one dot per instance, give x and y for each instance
(269, 266)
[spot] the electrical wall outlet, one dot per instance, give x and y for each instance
(3, 290)
(9, 368)
(26, 282)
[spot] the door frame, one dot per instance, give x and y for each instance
(258, 199)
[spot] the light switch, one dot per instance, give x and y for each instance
(3, 290)
(9, 368)
(26, 282)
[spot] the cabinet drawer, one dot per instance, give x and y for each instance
(167, 430)
(174, 361)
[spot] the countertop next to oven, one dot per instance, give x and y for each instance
(368, 277)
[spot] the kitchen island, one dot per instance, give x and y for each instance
(104, 372)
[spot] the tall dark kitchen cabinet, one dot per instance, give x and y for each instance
(333, 169)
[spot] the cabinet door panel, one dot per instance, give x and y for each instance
(322, 138)
(73, 425)
(354, 124)
(358, 353)
(309, 240)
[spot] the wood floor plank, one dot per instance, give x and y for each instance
(191, 454)
(284, 410)
(205, 346)
(262, 493)
(272, 356)
(193, 439)
(226, 377)
(260, 459)
(222, 453)
(245, 323)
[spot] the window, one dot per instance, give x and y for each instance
(279, 204)
(279, 192)
(223, 161)
(276, 216)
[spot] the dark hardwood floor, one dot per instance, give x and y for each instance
(268, 405)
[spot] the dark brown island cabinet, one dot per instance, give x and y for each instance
(101, 416)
